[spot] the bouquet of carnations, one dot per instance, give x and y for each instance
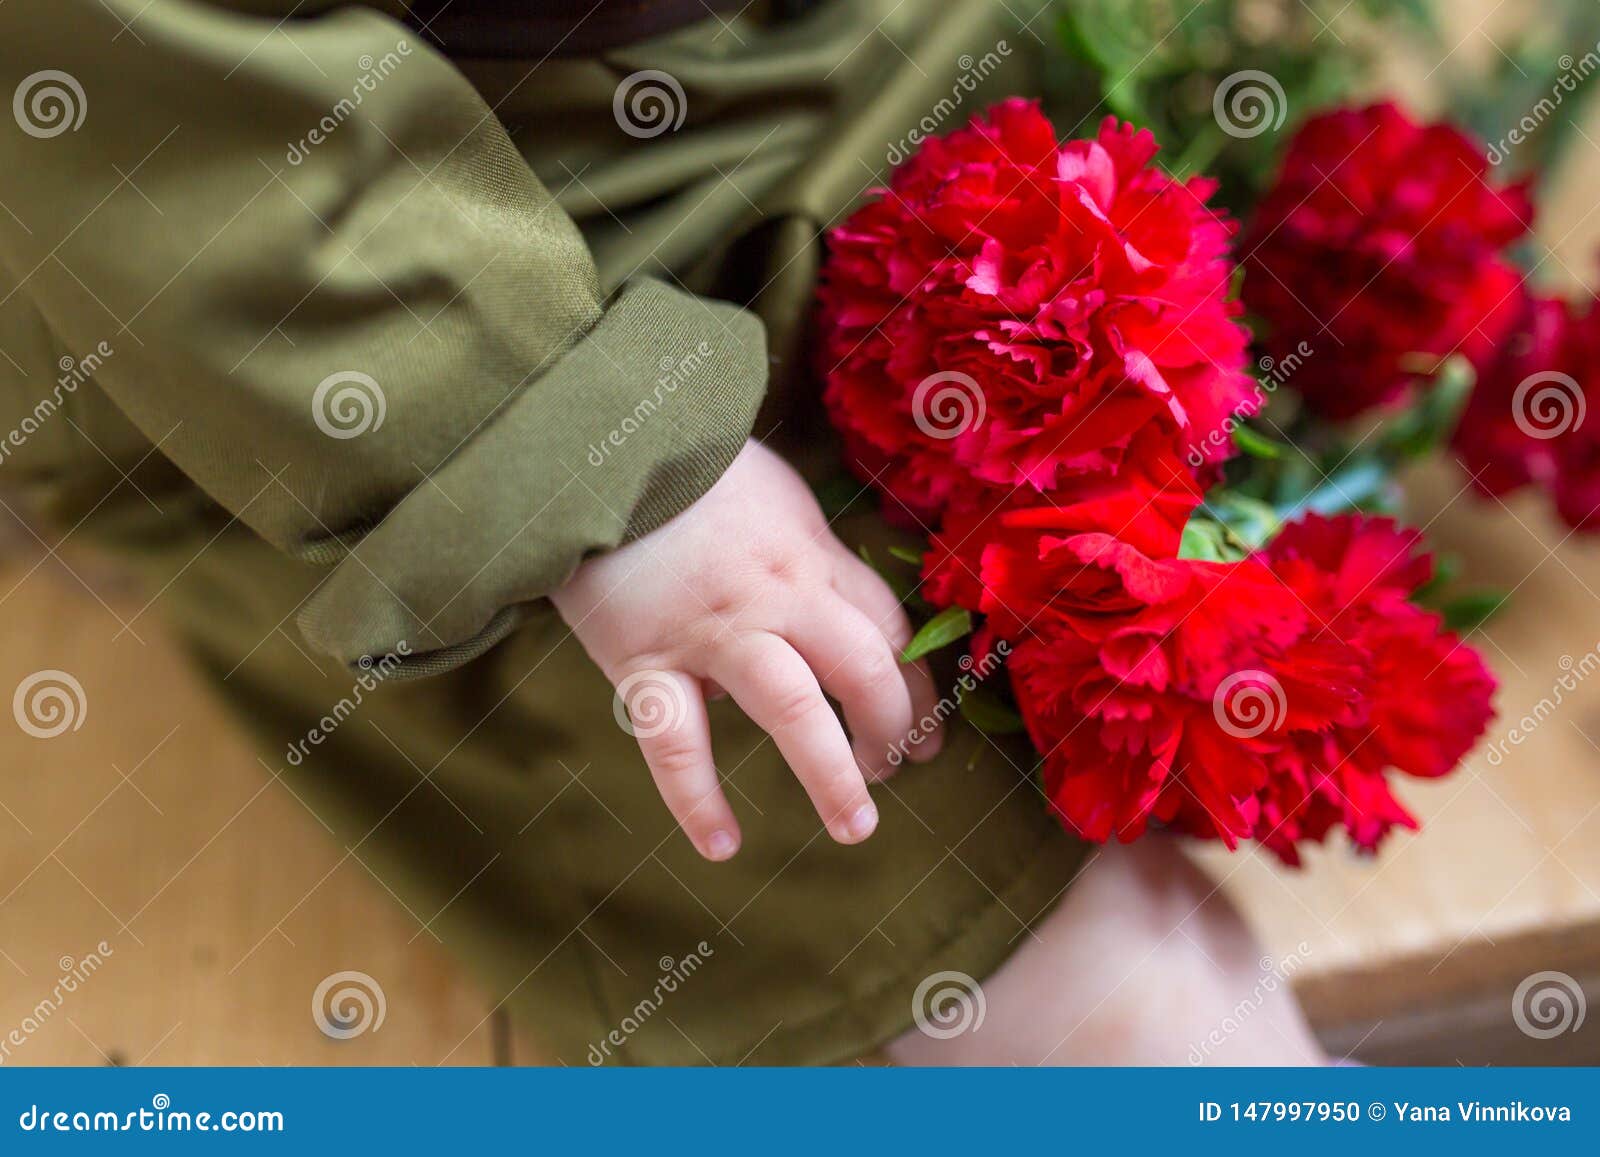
(1153, 452)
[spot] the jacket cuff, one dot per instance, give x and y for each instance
(629, 427)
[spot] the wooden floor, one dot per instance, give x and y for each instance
(231, 901)
(233, 904)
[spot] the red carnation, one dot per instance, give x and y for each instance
(1527, 420)
(987, 560)
(1382, 238)
(1120, 704)
(1427, 696)
(1023, 344)
(1264, 699)
(1012, 311)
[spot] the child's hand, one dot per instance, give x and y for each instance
(749, 591)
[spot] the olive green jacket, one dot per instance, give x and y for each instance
(444, 327)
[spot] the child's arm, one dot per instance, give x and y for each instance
(748, 591)
(381, 345)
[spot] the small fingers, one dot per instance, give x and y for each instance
(857, 666)
(775, 688)
(863, 587)
(666, 713)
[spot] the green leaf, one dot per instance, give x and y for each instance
(946, 627)
(1249, 522)
(1201, 150)
(1091, 39)
(985, 711)
(1078, 38)
(1468, 612)
(1294, 477)
(1256, 444)
(1236, 287)
(1202, 539)
(1445, 569)
(906, 554)
(1363, 484)
(1431, 419)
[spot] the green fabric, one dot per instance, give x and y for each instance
(519, 276)
(410, 245)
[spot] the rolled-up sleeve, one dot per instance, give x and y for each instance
(345, 307)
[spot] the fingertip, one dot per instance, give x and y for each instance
(858, 825)
(720, 845)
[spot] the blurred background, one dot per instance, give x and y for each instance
(150, 856)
